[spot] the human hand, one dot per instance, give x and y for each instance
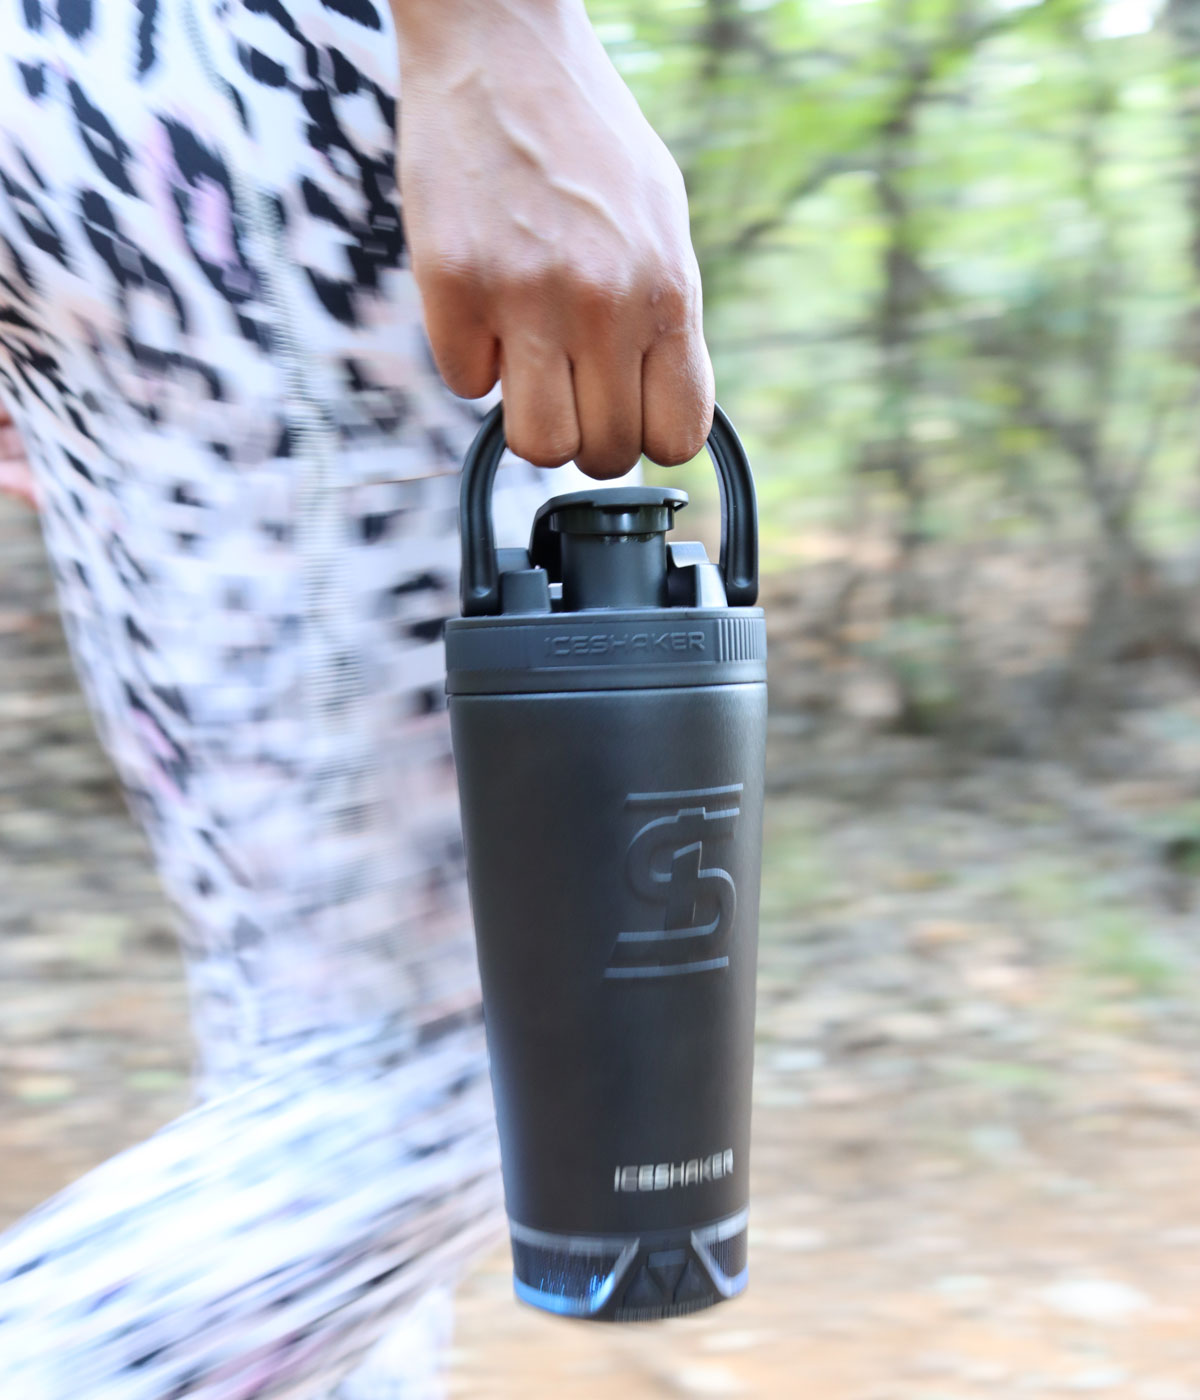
(548, 230)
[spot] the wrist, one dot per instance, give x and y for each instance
(429, 29)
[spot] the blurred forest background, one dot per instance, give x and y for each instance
(951, 252)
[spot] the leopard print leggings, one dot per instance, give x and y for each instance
(244, 464)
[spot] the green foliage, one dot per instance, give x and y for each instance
(1113, 944)
(1117, 946)
(948, 254)
(1006, 1076)
(797, 878)
(1048, 891)
(921, 651)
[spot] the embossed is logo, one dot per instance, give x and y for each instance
(672, 862)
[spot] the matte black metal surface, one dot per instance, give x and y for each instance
(613, 843)
(611, 650)
(608, 706)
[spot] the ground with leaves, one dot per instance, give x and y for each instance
(978, 1092)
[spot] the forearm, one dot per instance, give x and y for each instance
(547, 228)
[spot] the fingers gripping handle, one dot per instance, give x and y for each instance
(739, 516)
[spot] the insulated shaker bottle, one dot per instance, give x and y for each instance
(608, 703)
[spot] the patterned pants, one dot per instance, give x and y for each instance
(244, 464)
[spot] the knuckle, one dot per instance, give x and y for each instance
(673, 301)
(453, 267)
(672, 453)
(600, 299)
(441, 278)
(603, 470)
(466, 369)
(679, 445)
(601, 294)
(470, 385)
(609, 459)
(456, 286)
(519, 285)
(542, 450)
(532, 282)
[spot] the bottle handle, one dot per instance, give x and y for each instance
(739, 515)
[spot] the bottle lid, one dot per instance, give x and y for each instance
(602, 599)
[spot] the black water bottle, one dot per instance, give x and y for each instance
(608, 702)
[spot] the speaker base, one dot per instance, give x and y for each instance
(630, 1278)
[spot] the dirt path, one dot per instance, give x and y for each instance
(977, 1152)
